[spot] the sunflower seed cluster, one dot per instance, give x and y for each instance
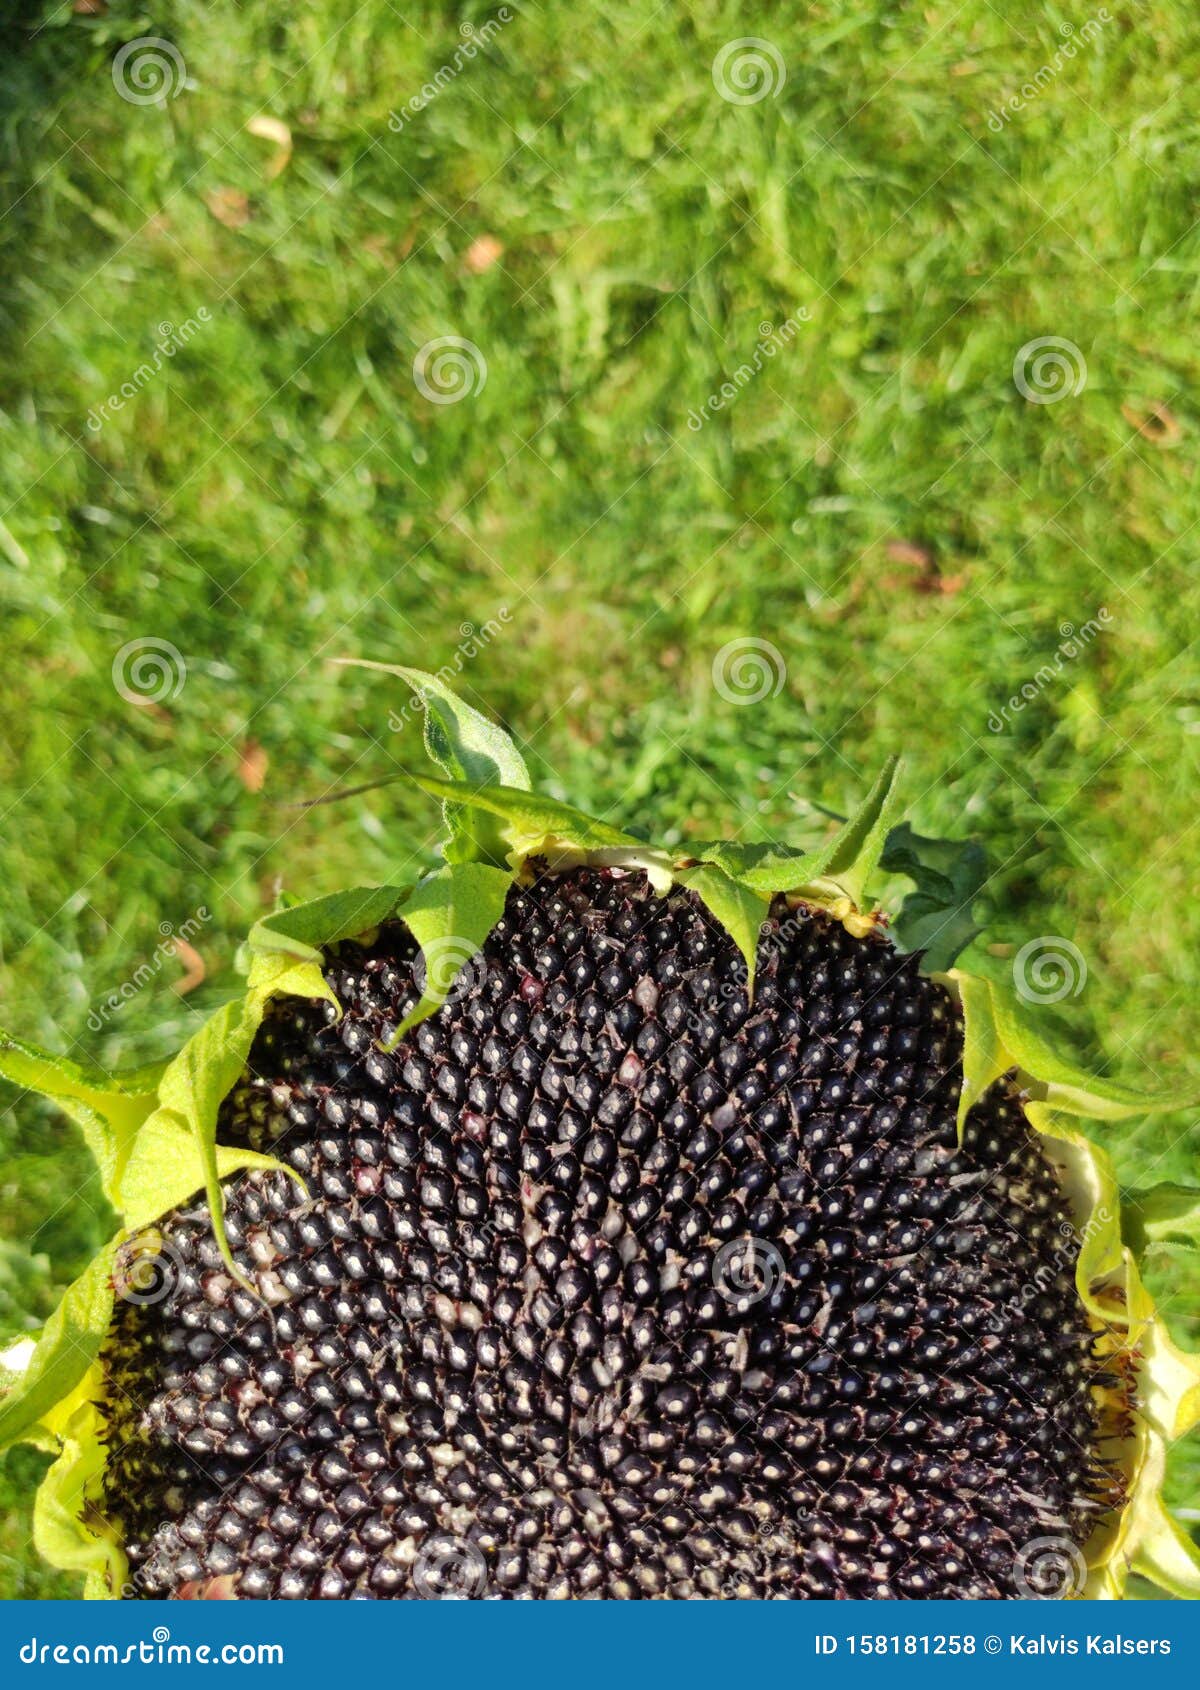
(607, 1282)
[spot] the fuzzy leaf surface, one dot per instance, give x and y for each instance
(999, 1034)
(108, 1108)
(1164, 1214)
(739, 911)
(530, 824)
(764, 868)
(166, 1168)
(303, 929)
(69, 1530)
(948, 876)
(984, 1059)
(1069, 1087)
(69, 1344)
(192, 1090)
(466, 746)
(849, 858)
(450, 913)
(858, 847)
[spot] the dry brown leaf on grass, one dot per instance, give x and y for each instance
(928, 578)
(482, 254)
(1158, 424)
(193, 963)
(229, 206)
(909, 551)
(252, 765)
(274, 130)
(388, 251)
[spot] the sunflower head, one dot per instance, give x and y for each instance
(588, 1218)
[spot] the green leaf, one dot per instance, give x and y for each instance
(1000, 1034)
(859, 846)
(1068, 1087)
(466, 746)
(166, 1169)
(192, 1090)
(450, 914)
(69, 1344)
(69, 1530)
(174, 1152)
(533, 826)
(948, 875)
(849, 858)
(984, 1058)
(462, 742)
(764, 868)
(159, 1149)
(740, 912)
(278, 974)
(108, 1108)
(1167, 1555)
(1164, 1214)
(302, 930)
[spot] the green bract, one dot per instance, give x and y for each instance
(153, 1131)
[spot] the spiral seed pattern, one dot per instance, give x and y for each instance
(503, 1344)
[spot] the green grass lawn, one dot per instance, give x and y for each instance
(860, 256)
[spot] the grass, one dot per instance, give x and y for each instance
(878, 501)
